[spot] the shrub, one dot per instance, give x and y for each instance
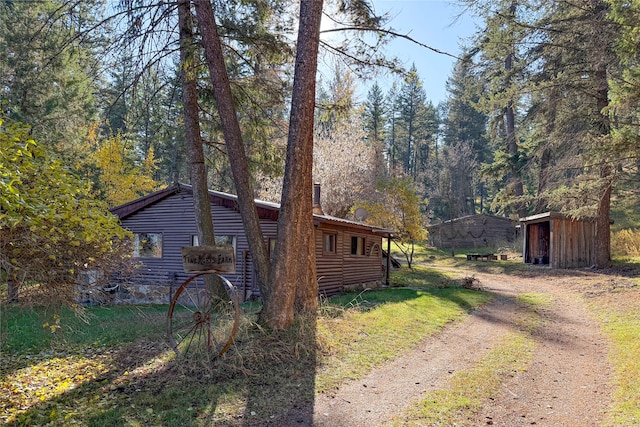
(626, 243)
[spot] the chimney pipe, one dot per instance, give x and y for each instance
(317, 208)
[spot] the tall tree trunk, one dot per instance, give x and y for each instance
(202, 205)
(603, 221)
(191, 114)
(545, 162)
(233, 139)
(293, 278)
(599, 63)
(510, 122)
(515, 177)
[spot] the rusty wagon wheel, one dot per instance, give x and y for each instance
(200, 323)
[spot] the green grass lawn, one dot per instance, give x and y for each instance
(35, 330)
(114, 367)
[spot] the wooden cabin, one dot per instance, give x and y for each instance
(558, 241)
(348, 253)
(473, 231)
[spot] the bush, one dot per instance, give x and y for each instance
(626, 243)
(54, 236)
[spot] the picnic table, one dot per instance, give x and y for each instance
(485, 257)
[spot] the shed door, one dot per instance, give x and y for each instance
(538, 242)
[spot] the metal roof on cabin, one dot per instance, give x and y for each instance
(266, 210)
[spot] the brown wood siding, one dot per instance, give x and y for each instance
(472, 231)
(335, 271)
(361, 268)
(571, 242)
(329, 267)
(173, 217)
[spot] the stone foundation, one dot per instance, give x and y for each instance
(377, 284)
(148, 293)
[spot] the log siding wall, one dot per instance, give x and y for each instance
(173, 217)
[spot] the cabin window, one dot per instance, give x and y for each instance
(226, 240)
(329, 245)
(220, 240)
(357, 245)
(147, 245)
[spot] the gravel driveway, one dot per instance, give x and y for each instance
(566, 384)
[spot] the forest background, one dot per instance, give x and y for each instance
(541, 114)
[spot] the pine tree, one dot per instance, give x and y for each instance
(417, 125)
(374, 117)
(466, 147)
(574, 144)
(47, 63)
(500, 48)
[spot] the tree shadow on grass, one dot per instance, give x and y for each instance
(265, 379)
(145, 383)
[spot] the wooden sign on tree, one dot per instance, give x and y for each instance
(214, 259)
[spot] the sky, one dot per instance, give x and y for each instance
(433, 23)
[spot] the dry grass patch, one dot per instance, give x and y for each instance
(619, 313)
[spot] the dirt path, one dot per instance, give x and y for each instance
(565, 385)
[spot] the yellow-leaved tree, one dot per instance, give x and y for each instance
(55, 237)
(122, 175)
(397, 207)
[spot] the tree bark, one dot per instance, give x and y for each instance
(233, 139)
(190, 112)
(204, 221)
(12, 288)
(293, 277)
(512, 142)
(603, 221)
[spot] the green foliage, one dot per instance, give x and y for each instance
(625, 243)
(415, 124)
(121, 177)
(398, 207)
(51, 229)
(46, 61)
(624, 109)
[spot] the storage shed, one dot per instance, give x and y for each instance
(558, 241)
(473, 231)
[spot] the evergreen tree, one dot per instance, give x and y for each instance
(47, 62)
(577, 165)
(374, 117)
(457, 183)
(417, 125)
(500, 47)
(392, 140)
